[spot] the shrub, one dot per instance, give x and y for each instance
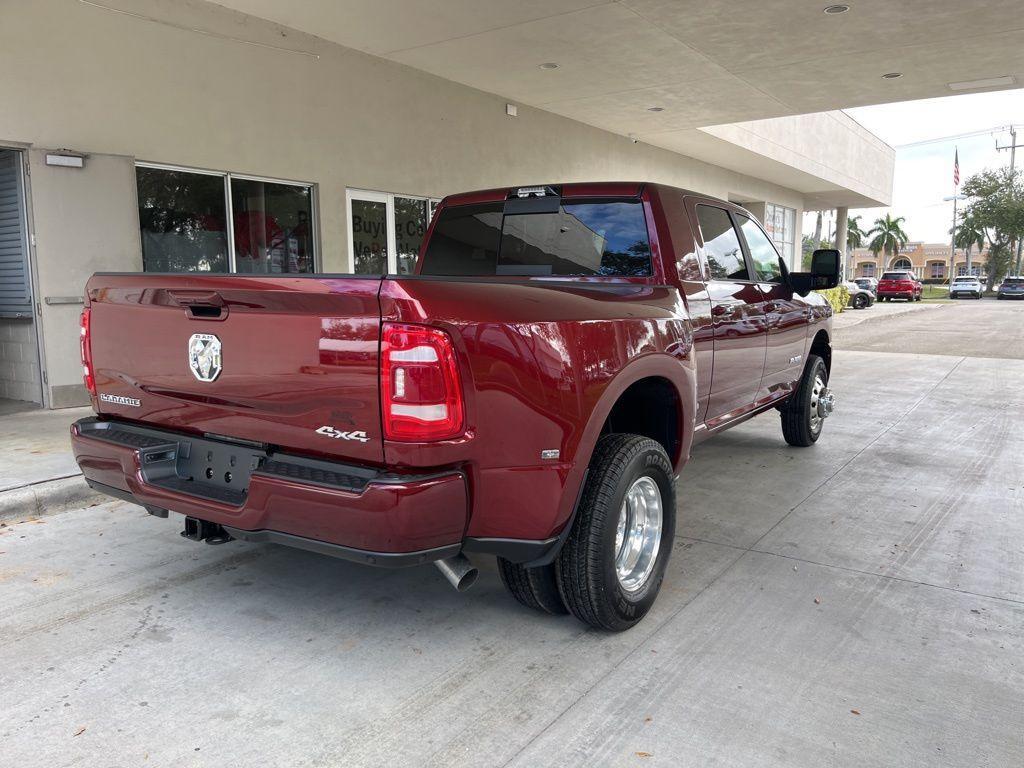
(837, 297)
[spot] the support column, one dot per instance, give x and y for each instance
(841, 215)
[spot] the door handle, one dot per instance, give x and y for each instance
(200, 305)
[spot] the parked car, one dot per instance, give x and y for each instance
(868, 284)
(531, 392)
(1011, 288)
(965, 285)
(860, 298)
(899, 284)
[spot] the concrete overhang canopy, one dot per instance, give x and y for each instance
(705, 63)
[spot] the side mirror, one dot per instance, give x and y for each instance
(826, 272)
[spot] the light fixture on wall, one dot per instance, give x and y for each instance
(548, 65)
(833, 10)
(655, 109)
(892, 75)
(65, 159)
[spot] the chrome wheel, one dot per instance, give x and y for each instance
(638, 534)
(823, 402)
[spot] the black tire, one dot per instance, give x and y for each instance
(797, 426)
(860, 301)
(586, 571)
(535, 588)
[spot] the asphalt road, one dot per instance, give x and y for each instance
(985, 328)
(858, 603)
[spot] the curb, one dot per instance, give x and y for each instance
(47, 497)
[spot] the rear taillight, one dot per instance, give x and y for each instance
(420, 393)
(85, 347)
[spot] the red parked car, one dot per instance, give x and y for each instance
(532, 392)
(899, 284)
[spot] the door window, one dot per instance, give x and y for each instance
(386, 231)
(762, 252)
(369, 225)
(721, 244)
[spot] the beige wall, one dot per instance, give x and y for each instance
(120, 87)
(85, 220)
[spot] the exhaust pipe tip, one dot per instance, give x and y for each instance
(460, 573)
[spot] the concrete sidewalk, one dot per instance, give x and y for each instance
(38, 474)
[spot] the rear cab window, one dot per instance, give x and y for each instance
(584, 237)
(896, 276)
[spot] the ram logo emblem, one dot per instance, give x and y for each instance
(204, 356)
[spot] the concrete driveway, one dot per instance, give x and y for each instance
(859, 603)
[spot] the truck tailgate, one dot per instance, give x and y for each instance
(287, 361)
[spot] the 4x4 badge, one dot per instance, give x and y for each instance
(337, 434)
(204, 358)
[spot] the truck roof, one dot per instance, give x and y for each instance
(576, 189)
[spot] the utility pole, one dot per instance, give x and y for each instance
(1012, 146)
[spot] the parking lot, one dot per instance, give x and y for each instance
(857, 603)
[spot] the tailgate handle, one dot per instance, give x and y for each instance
(201, 305)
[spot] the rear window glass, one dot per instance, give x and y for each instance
(1014, 281)
(965, 279)
(607, 237)
(895, 276)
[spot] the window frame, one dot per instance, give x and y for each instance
(739, 239)
(783, 244)
(388, 198)
(227, 177)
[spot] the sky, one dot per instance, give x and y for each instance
(924, 171)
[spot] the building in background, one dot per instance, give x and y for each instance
(928, 261)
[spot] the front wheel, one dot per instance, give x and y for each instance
(860, 301)
(807, 409)
(612, 565)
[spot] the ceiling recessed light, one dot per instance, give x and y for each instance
(549, 65)
(892, 75)
(988, 82)
(655, 109)
(832, 10)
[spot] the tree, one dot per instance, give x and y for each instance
(967, 235)
(996, 206)
(807, 248)
(887, 236)
(854, 234)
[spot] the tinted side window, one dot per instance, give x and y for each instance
(465, 241)
(721, 244)
(762, 252)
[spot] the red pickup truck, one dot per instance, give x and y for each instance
(531, 392)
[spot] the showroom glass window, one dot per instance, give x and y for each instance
(184, 215)
(386, 231)
(780, 224)
(273, 227)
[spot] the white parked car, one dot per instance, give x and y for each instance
(965, 286)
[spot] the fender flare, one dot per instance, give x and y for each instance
(681, 373)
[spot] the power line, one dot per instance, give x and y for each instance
(971, 134)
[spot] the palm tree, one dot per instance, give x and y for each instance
(887, 236)
(854, 234)
(968, 234)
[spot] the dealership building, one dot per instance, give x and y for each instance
(258, 136)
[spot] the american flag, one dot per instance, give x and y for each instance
(956, 167)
